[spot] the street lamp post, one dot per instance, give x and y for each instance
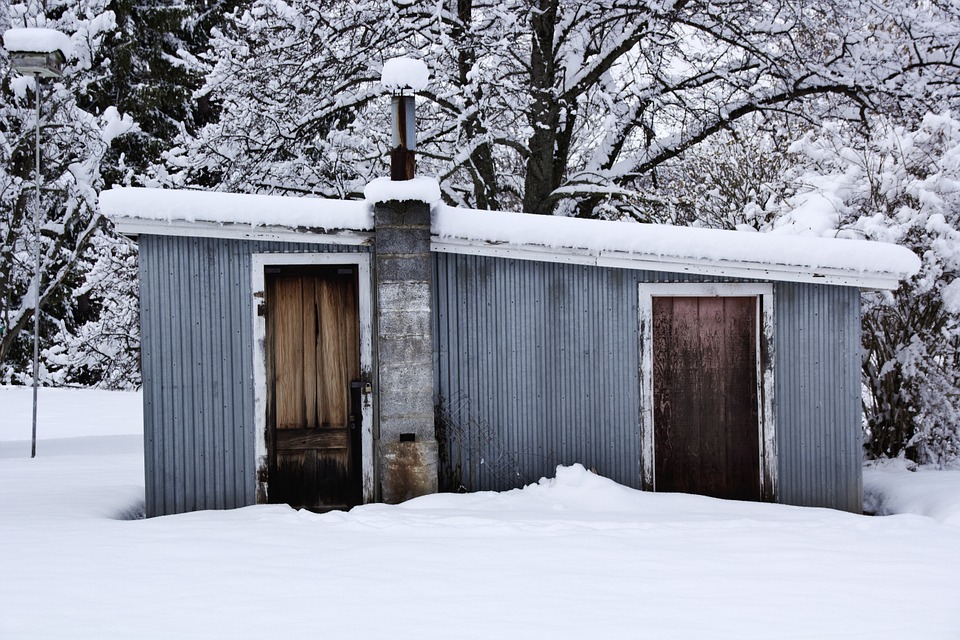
(40, 53)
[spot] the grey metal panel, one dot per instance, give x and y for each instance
(818, 396)
(537, 365)
(197, 352)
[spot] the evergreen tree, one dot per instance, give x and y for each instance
(150, 72)
(123, 98)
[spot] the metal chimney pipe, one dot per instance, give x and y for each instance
(402, 156)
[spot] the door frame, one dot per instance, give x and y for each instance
(765, 370)
(362, 262)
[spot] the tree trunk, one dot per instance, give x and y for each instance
(480, 165)
(541, 174)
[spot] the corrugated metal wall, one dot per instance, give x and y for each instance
(818, 396)
(197, 350)
(537, 365)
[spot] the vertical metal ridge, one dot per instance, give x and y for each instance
(530, 375)
(197, 324)
(817, 395)
(538, 363)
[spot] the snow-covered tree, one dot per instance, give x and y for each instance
(73, 145)
(546, 105)
(147, 73)
(899, 185)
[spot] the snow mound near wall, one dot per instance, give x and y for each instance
(579, 496)
(891, 488)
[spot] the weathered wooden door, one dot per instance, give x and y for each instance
(313, 366)
(705, 413)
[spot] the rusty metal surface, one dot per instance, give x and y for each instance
(705, 396)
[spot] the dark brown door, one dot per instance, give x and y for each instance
(313, 355)
(706, 428)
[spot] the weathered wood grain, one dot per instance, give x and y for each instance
(313, 345)
(706, 427)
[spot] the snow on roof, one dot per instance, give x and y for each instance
(674, 249)
(420, 189)
(33, 40)
(138, 210)
(405, 73)
(626, 245)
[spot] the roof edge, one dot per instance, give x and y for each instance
(133, 227)
(670, 264)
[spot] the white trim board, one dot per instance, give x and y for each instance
(669, 264)
(765, 370)
(612, 259)
(233, 231)
(365, 302)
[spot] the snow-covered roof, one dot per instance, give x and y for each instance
(33, 40)
(188, 212)
(655, 247)
(629, 245)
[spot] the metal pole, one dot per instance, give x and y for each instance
(36, 276)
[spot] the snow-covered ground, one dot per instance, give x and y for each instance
(894, 486)
(572, 557)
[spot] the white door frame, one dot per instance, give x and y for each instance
(364, 298)
(765, 370)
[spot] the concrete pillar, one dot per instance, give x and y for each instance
(404, 285)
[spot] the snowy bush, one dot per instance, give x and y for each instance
(899, 185)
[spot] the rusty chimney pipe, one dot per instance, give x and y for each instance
(403, 153)
(402, 77)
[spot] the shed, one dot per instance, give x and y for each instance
(327, 353)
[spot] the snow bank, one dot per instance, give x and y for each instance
(405, 73)
(891, 488)
(235, 208)
(33, 40)
(419, 189)
(106, 413)
(676, 243)
(577, 495)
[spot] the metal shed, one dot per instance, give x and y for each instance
(490, 347)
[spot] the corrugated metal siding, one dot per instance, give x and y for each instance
(538, 365)
(197, 350)
(818, 396)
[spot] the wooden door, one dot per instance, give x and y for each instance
(705, 413)
(313, 416)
